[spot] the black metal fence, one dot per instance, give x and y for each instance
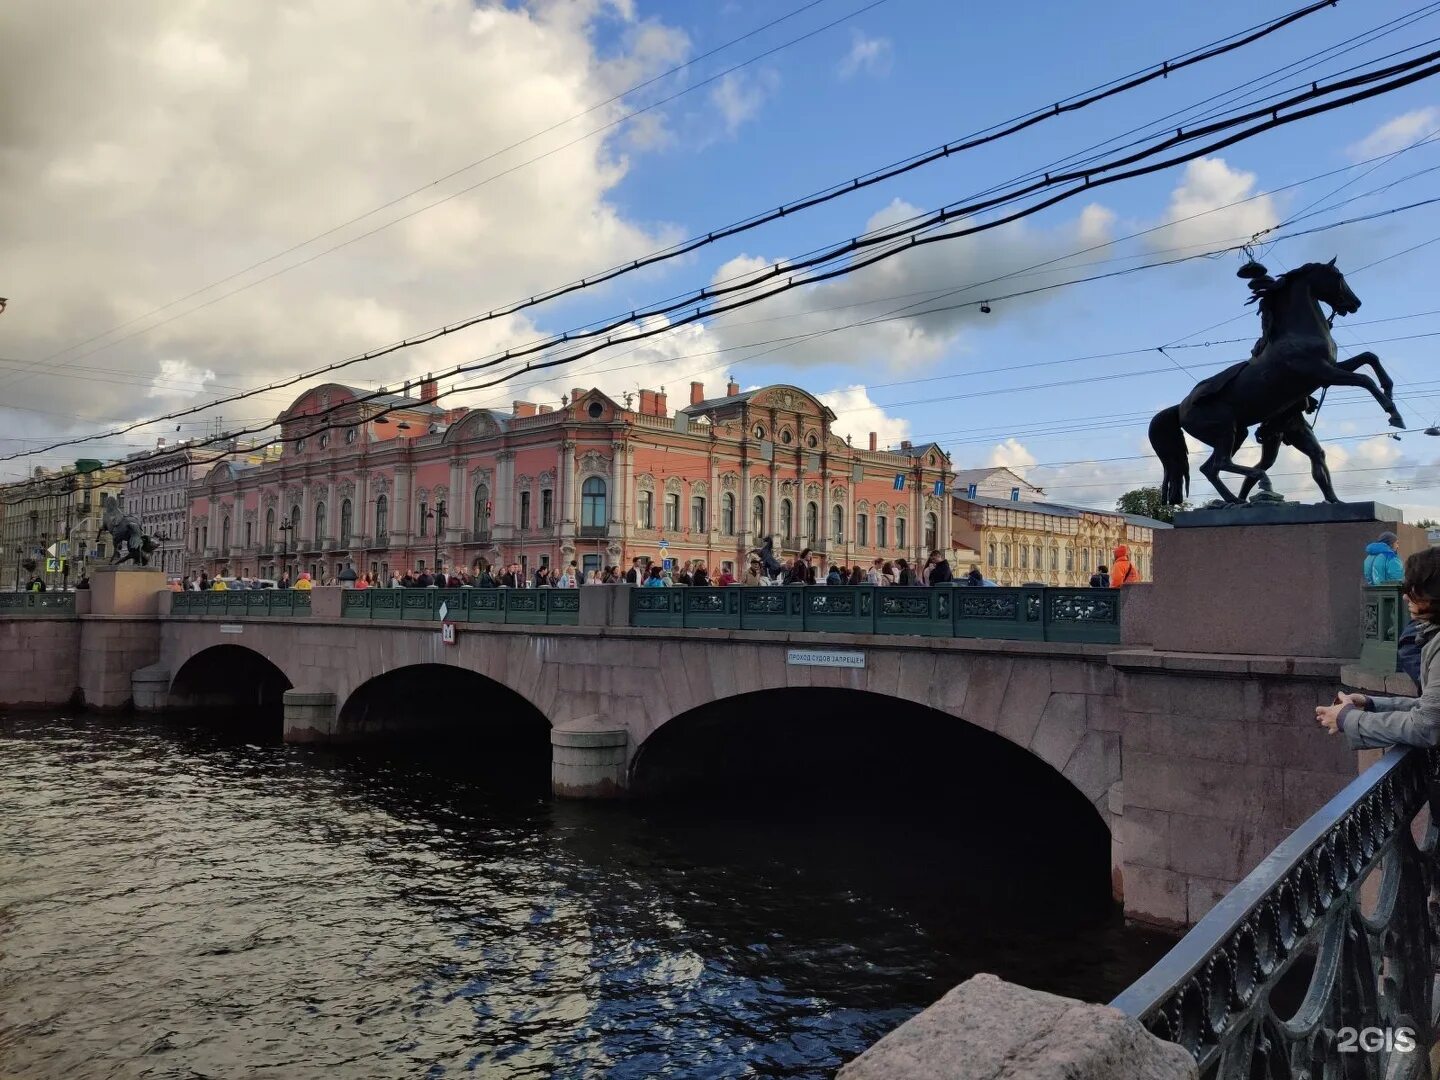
(1321, 962)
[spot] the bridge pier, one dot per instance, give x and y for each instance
(309, 716)
(588, 758)
(150, 688)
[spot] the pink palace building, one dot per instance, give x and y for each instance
(398, 483)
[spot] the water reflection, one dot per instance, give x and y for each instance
(176, 902)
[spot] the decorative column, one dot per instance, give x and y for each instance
(566, 495)
(456, 503)
(332, 510)
(742, 521)
(363, 517)
(713, 500)
(772, 511)
(400, 511)
(619, 489)
(503, 497)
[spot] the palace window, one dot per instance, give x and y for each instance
(932, 532)
(900, 532)
(882, 530)
(787, 519)
(645, 510)
(1024, 556)
(1054, 558)
(481, 522)
(347, 512)
(672, 512)
(991, 561)
(1069, 559)
(382, 515)
(424, 527)
(269, 526)
(812, 521)
(320, 520)
(592, 503)
(225, 532)
(862, 529)
(697, 514)
(249, 533)
(727, 514)
(524, 509)
(1005, 556)
(547, 508)
(837, 524)
(757, 514)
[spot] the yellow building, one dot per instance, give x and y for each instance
(1019, 537)
(56, 510)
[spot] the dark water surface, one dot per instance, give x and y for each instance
(180, 903)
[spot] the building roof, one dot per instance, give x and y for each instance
(965, 477)
(1054, 509)
(714, 403)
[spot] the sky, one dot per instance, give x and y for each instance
(204, 197)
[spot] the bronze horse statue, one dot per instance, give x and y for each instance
(1294, 359)
(125, 529)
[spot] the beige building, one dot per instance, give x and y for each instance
(59, 510)
(1017, 536)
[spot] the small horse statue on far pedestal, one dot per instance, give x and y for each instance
(1294, 359)
(124, 529)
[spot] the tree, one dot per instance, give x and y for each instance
(1427, 523)
(1145, 502)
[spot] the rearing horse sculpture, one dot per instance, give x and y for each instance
(1296, 359)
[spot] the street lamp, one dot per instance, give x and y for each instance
(286, 527)
(438, 516)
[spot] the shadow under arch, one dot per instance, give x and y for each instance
(457, 719)
(927, 800)
(229, 676)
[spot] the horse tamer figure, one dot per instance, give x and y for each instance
(1293, 360)
(124, 529)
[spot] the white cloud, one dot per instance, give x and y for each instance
(739, 96)
(1013, 454)
(1396, 134)
(1096, 224)
(870, 55)
(206, 136)
(1195, 216)
(856, 416)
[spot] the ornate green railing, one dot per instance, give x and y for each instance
(1320, 963)
(236, 603)
(1383, 615)
(534, 607)
(29, 604)
(1036, 614)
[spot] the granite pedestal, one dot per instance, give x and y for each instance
(1269, 580)
(126, 590)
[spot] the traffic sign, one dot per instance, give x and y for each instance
(664, 545)
(447, 633)
(52, 565)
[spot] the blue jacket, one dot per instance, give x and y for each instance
(1382, 565)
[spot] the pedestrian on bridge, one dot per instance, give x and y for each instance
(1369, 722)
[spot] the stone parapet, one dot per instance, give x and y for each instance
(988, 1029)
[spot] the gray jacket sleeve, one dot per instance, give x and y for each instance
(1401, 721)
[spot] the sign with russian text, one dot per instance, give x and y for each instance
(824, 658)
(231, 628)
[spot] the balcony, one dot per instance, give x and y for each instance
(594, 532)
(475, 536)
(381, 541)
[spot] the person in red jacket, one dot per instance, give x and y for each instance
(1122, 570)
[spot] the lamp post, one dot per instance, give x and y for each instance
(286, 527)
(438, 516)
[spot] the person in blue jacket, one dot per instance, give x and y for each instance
(1382, 561)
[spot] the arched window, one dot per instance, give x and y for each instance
(757, 515)
(269, 526)
(672, 512)
(727, 514)
(837, 524)
(382, 516)
(862, 529)
(346, 514)
(991, 553)
(932, 534)
(592, 503)
(697, 513)
(645, 509)
(882, 530)
(482, 510)
(812, 521)
(425, 521)
(787, 519)
(320, 520)
(224, 533)
(294, 533)
(900, 532)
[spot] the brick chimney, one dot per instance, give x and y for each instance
(660, 409)
(873, 442)
(428, 391)
(523, 408)
(576, 393)
(697, 393)
(541, 410)
(905, 444)
(732, 388)
(647, 403)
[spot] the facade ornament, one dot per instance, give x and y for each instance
(931, 503)
(547, 478)
(347, 489)
(700, 488)
(592, 462)
(837, 494)
(480, 475)
(505, 455)
(783, 399)
(730, 481)
(645, 482)
(524, 481)
(422, 495)
(812, 491)
(479, 425)
(759, 485)
(672, 485)
(441, 494)
(382, 485)
(863, 506)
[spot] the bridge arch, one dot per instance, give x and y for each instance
(870, 757)
(228, 675)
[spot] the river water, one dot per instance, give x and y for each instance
(179, 903)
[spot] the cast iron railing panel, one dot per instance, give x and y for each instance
(1037, 614)
(236, 603)
(1213, 992)
(536, 607)
(30, 604)
(1383, 615)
